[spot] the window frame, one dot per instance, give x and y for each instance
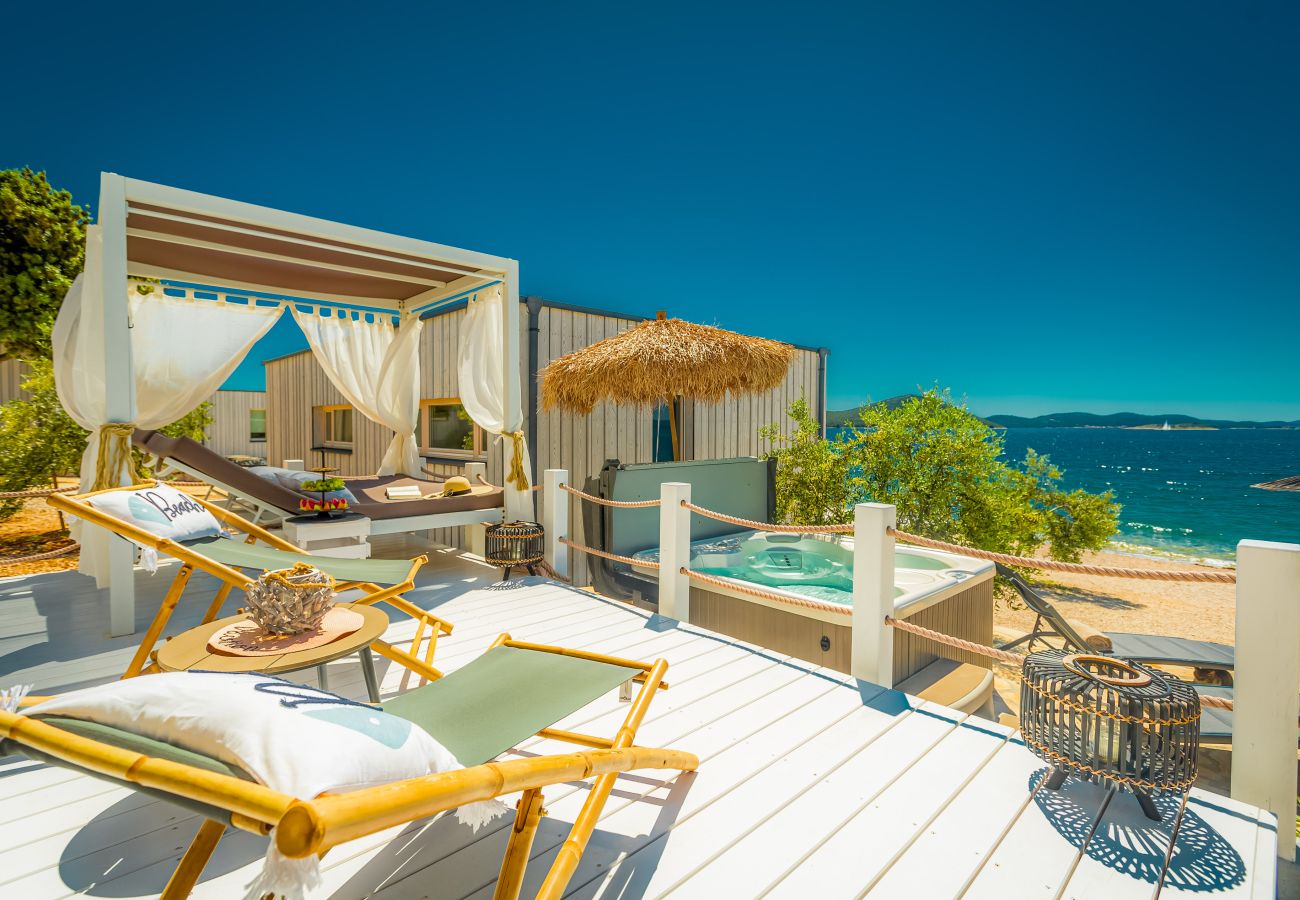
(323, 419)
(252, 435)
(479, 450)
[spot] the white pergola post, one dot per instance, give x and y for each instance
(1265, 706)
(555, 519)
(511, 356)
(873, 593)
(119, 382)
(674, 550)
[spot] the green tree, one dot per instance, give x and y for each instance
(39, 440)
(812, 476)
(943, 470)
(42, 248)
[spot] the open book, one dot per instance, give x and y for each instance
(403, 492)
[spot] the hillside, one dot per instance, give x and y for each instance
(838, 418)
(1127, 420)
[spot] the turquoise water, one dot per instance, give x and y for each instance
(1184, 493)
(820, 570)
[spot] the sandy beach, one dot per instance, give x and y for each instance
(1204, 611)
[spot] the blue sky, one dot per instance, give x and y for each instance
(1086, 206)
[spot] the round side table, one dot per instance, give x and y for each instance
(190, 650)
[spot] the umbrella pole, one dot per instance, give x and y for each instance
(672, 428)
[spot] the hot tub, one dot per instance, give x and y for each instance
(941, 591)
(820, 567)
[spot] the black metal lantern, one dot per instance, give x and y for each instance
(512, 544)
(1119, 723)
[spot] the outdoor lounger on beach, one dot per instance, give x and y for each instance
(1204, 656)
(511, 693)
(231, 559)
(270, 499)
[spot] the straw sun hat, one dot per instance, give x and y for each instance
(454, 487)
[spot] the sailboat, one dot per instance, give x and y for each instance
(1165, 427)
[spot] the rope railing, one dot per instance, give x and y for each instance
(743, 588)
(36, 492)
(766, 526)
(601, 501)
(46, 492)
(604, 554)
(37, 557)
(1053, 565)
(1003, 656)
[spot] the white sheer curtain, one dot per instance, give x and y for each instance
(182, 350)
(377, 368)
(481, 374)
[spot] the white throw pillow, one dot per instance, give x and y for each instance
(292, 738)
(160, 510)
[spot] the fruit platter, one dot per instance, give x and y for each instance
(324, 507)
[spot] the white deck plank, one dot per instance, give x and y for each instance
(702, 830)
(811, 826)
(1127, 846)
(1036, 855)
(804, 788)
(945, 858)
(885, 825)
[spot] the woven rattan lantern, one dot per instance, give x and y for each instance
(512, 544)
(1118, 723)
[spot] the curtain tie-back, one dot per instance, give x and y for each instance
(517, 476)
(114, 454)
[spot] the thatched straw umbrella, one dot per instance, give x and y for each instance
(660, 360)
(1291, 483)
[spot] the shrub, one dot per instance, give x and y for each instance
(943, 469)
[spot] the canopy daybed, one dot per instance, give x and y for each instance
(271, 502)
(178, 286)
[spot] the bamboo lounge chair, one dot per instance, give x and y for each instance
(512, 692)
(225, 557)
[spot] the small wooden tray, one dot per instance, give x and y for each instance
(246, 638)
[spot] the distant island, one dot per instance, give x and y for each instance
(1130, 420)
(841, 417)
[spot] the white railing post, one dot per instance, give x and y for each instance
(873, 593)
(1265, 706)
(476, 535)
(555, 518)
(674, 550)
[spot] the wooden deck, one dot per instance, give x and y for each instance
(810, 785)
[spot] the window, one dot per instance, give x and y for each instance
(257, 424)
(445, 428)
(333, 426)
(664, 439)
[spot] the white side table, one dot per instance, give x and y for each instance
(346, 536)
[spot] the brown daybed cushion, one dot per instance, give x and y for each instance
(369, 492)
(372, 501)
(201, 459)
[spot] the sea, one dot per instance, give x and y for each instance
(1185, 494)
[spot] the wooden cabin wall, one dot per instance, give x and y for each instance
(580, 444)
(229, 432)
(730, 428)
(13, 373)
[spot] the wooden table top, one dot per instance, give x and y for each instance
(190, 650)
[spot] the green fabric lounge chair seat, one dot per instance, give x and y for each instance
(237, 562)
(512, 692)
(258, 557)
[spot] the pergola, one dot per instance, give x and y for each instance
(185, 237)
